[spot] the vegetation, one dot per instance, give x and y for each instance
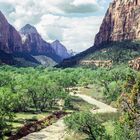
(129, 101)
(87, 123)
(78, 104)
(118, 52)
(39, 90)
(6, 115)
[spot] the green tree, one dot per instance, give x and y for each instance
(6, 114)
(46, 95)
(130, 108)
(88, 124)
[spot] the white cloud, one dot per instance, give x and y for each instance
(75, 33)
(71, 21)
(79, 2)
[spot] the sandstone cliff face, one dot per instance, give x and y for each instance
(10, 40)
(97, 63)
(135, 64)
(121, 22)
(33, 42)
(60, 49)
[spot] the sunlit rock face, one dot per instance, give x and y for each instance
(10, 40)
(121, 22)
(60, 49)
(32, 41)
(135, 64)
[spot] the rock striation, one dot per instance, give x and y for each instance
(121, 22)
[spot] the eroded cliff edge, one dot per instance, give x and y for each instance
(121, 22)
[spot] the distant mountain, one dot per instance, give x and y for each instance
(119, 29)
(60, 49)
(27, 46)
(34, 44)
(11, 44)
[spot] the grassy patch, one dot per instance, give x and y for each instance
(108, 121)
(94, 91)
(28, 116)
(75, 136)
(79, 104)
(108, 116)
(109, 126)
(23, 118)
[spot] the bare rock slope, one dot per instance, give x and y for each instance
(121, 22)
(10, 40)
(60, 49)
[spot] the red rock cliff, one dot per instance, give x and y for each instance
(121, 22)
(33, 42)
(10, 40)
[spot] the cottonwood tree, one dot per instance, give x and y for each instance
(88, 124)
(46, 96)
(6, 108)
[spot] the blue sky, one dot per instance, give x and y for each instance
(73, 22)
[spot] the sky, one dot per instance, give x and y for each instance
(73, 22)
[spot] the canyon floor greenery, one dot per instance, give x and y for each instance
(29, 94)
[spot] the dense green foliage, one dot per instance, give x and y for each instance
(119, 52)
(114, 81)
(130, 106)
(6, 114)
(87, 123)
(40, 89)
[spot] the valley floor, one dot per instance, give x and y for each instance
(57, 131)
(103, 108)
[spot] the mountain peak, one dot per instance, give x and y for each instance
(56, 41)
(33, 42)
(29, 26)
(60, 49)
(28, 29)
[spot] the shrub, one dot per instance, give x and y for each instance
(88, 124)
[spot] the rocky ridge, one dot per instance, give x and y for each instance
(121, 22)
(33, 42)
(27, 43)
(60, 49)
